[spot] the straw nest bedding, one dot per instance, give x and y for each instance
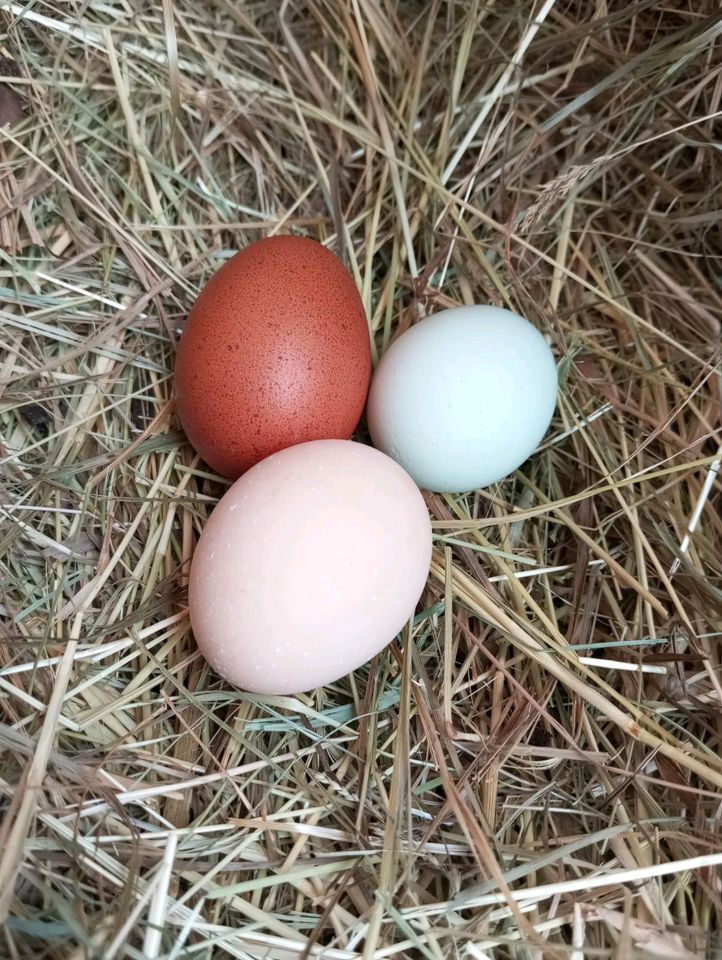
(534, 768)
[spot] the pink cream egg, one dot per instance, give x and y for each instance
(309, 566)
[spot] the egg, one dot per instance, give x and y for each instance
(308, 566)
(275, 352)
(463, 398)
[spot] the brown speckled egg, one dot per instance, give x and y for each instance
(275, 352)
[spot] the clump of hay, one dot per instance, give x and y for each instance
(534, 768)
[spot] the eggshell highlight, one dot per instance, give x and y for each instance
(309, 565)
(462, 398)
(275, 352)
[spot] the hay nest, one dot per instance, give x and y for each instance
(534, 768)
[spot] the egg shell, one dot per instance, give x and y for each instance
(462, 398)
(275, 352)
(309, 565)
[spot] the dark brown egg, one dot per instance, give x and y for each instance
(275, 352)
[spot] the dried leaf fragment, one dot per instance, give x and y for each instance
(11, 102)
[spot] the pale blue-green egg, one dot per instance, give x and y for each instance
(463, 398)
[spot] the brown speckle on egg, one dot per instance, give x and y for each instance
(289, 314)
